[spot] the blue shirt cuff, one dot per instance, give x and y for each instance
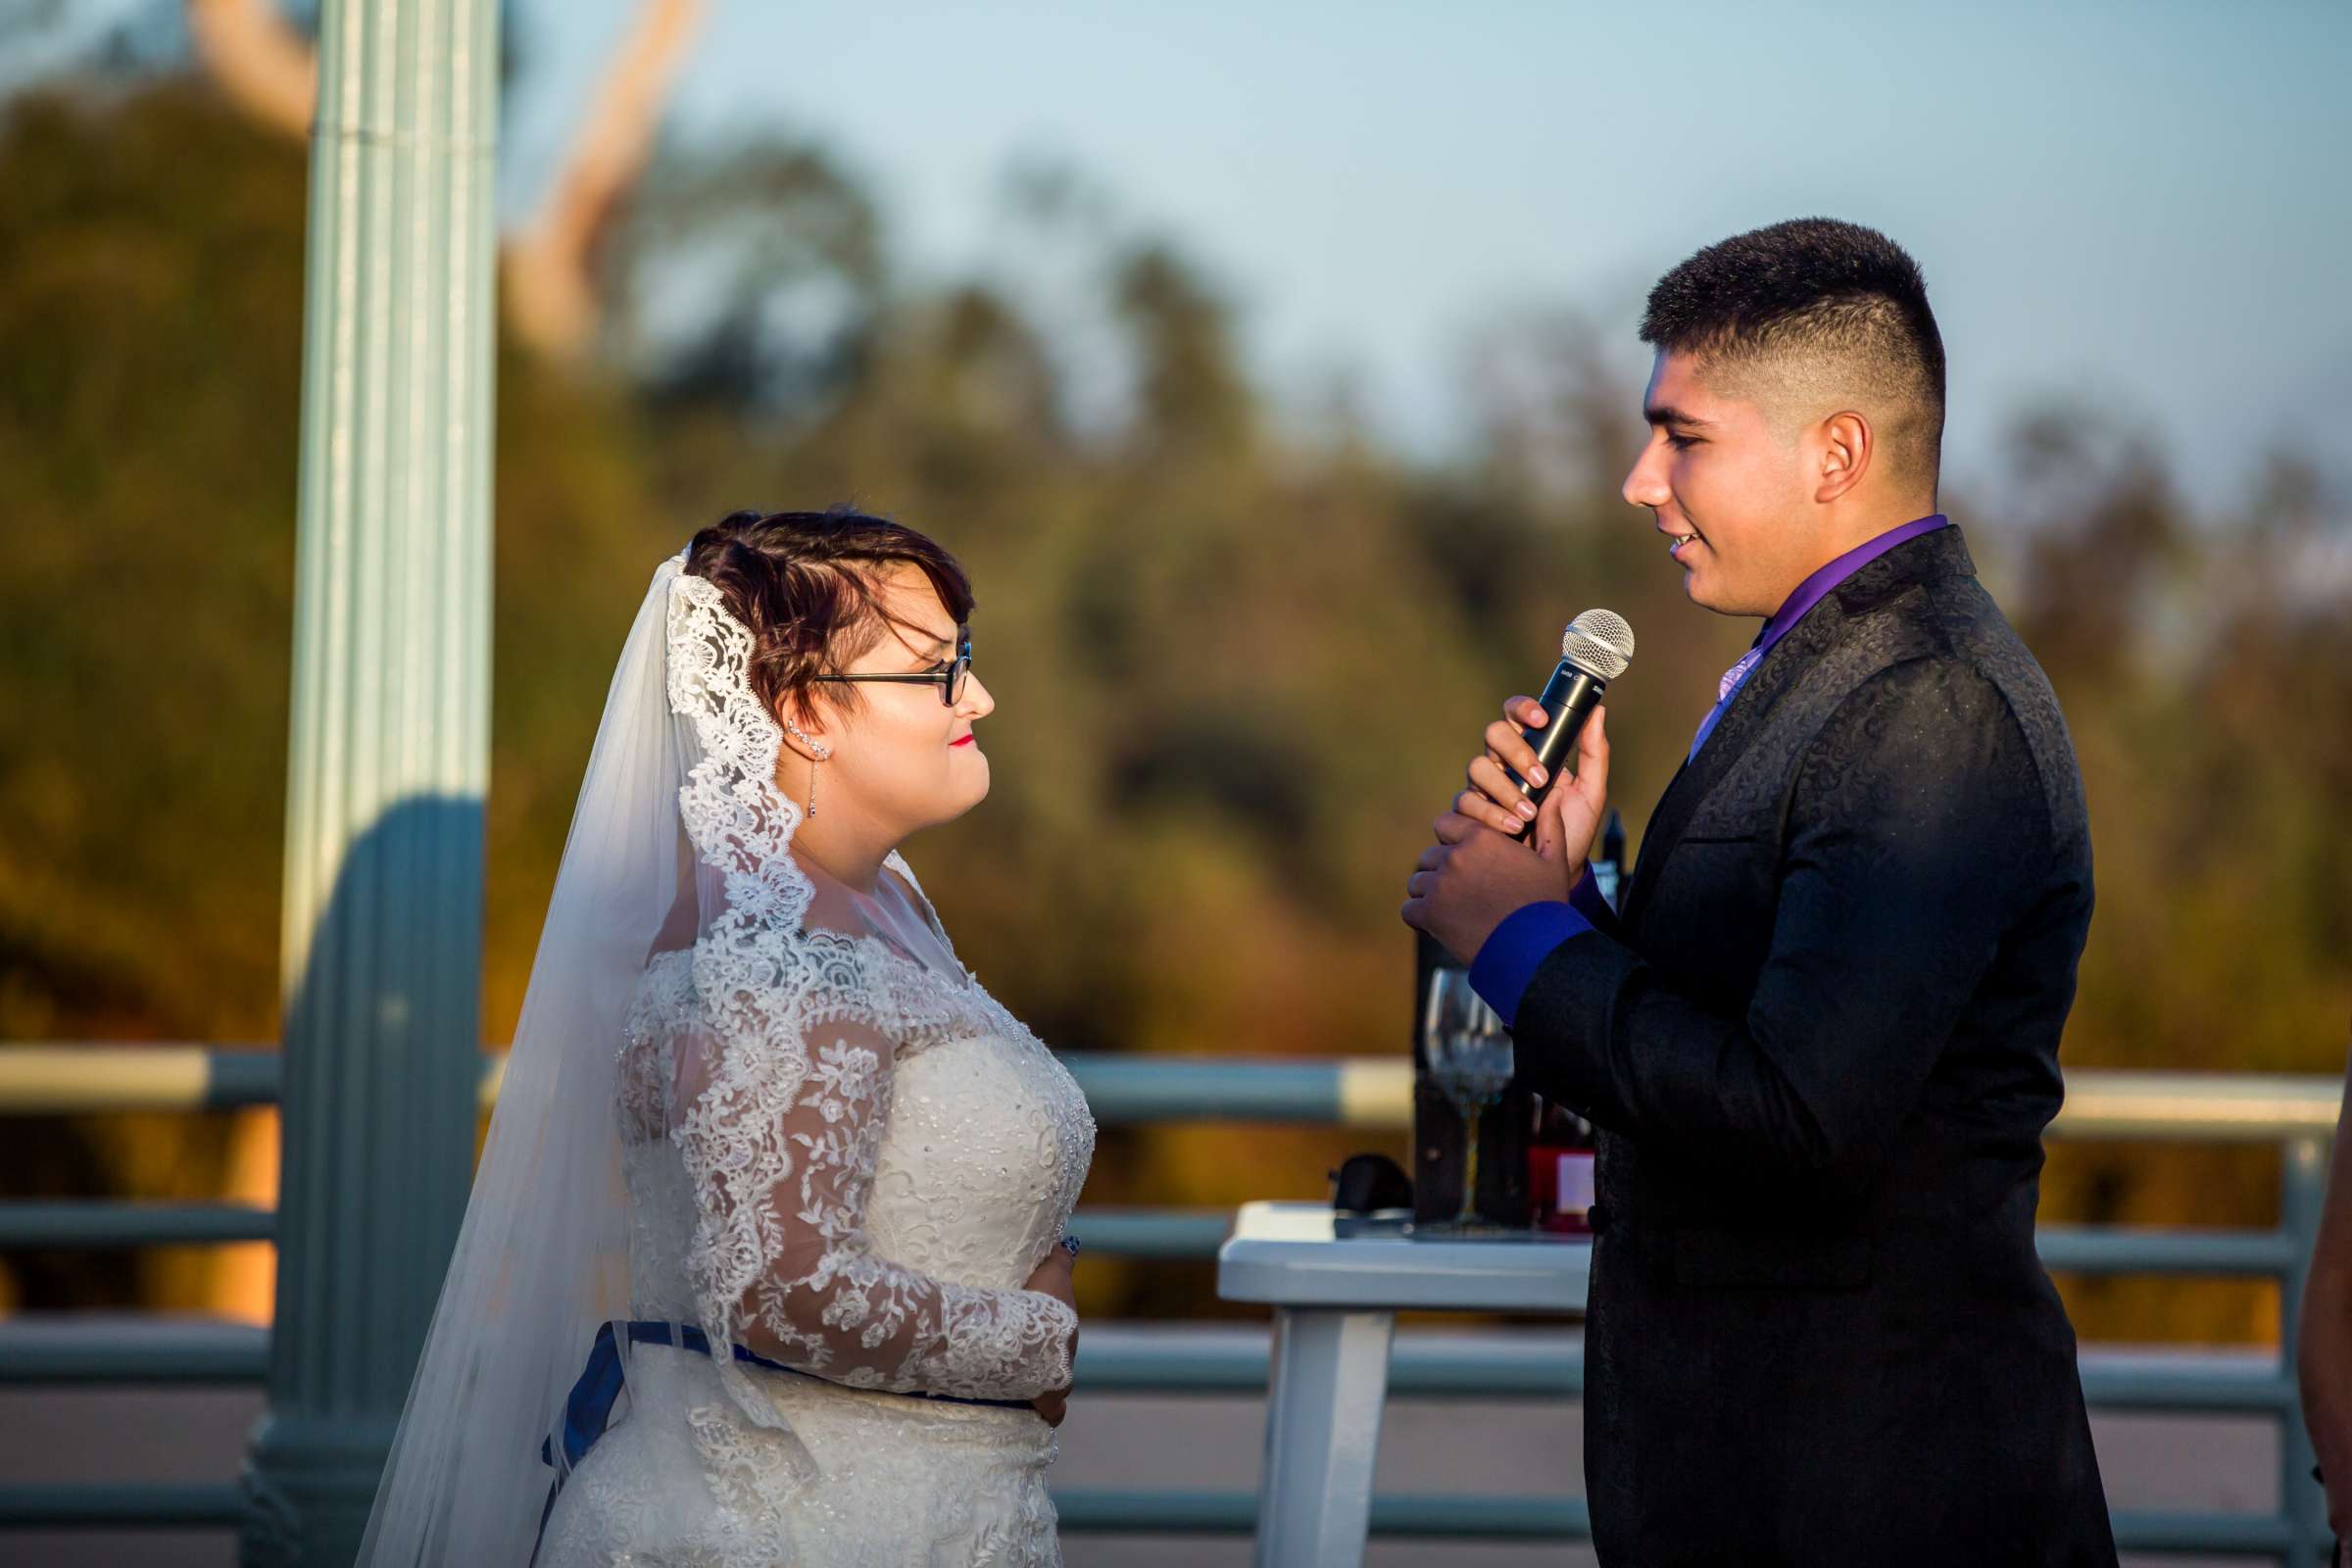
(1585, 897)
(1518, 948)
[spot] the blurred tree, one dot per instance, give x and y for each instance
(744, 281)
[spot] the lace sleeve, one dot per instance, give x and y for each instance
(780, 1139)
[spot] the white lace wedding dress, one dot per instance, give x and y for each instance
(843, 1157)
(740, 1281)
(916, 1174)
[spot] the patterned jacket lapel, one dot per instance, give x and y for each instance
(1823, 626)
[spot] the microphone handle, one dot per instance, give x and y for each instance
(1569, 698)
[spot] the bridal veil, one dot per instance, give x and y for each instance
(685, 1004)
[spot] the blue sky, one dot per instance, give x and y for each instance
(2141, 207)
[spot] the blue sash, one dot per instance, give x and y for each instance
(588, 1408)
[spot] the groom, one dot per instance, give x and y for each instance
(1821, 1041)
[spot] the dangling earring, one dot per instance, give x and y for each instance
(822, 753)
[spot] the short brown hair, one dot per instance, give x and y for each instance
(805, 585)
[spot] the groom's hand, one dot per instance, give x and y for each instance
(1570, 818)
(1479, 874)
(1471, 880)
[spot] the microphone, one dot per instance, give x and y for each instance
(1594, 651)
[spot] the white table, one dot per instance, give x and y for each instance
(1336, 1299)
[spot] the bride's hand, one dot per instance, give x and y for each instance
(1052, 1278)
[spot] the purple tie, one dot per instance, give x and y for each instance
(1724, 689)
(1808, 593)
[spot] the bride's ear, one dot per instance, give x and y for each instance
(804, 729)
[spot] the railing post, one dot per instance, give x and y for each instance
(389, 755)
(2302, 1185)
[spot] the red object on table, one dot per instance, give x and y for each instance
(1559, 1172)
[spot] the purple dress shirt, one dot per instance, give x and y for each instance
(1518, 947)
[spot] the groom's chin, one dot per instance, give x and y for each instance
(1704, 592)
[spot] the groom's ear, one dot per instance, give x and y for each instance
(1846, 445)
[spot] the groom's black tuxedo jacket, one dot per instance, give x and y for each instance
(1821, 1045)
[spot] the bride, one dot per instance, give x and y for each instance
(764, 1262)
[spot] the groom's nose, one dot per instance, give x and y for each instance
(1646, 483)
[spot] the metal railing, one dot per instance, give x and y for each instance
(2296, 1113)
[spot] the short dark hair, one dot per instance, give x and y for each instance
(805, 585)
(1844, 298)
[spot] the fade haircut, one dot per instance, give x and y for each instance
(1810, 317)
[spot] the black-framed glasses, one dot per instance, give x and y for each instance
(948, 677)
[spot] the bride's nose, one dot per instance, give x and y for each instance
(978, 701)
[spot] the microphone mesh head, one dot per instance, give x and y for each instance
(1599, 641)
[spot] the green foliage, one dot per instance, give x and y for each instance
(150, 340)
(1238, 671)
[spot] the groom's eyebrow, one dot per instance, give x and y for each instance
(1667, 414)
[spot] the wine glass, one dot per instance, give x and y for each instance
(1470, 1060)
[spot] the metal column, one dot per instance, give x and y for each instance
(389, 753)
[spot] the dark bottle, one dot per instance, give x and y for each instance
(1438, 1152)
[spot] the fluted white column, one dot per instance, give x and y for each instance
(389, 753)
